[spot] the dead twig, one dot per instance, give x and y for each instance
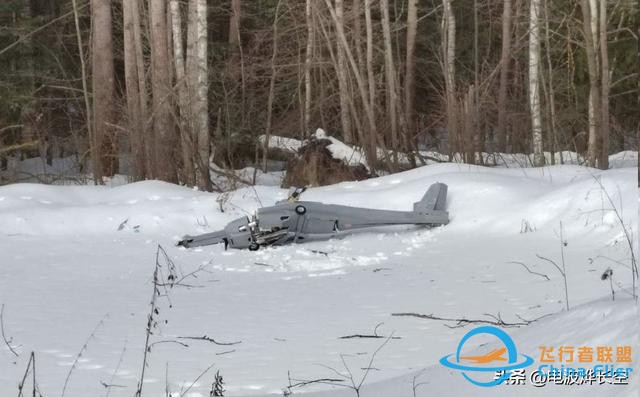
(31, 368)
(303, 383)
(182, 394)
(463, 322)
(207, 339)
(627, 234)
(110, 385)
(80, 353)
(4, 338)
(168, 341)
(368, 336)
(151, 323)
(531, 271)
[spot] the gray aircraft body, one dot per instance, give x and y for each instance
(294, 221)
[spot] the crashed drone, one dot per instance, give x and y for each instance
(294, 221)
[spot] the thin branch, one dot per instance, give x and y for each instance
(207, 339)
(168, 341)
(373, 357)
(110, 385)
(196, 380)
(81, 352)
(462, 322)
(4, 338)
(552, 262)
(309, 382)
(31, 364)
(369, 336)
(531, 271)
(41, 28)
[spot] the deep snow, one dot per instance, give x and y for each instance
(68, 258)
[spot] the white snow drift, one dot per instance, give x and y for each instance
(69, 256)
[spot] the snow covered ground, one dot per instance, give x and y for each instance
(76, 265)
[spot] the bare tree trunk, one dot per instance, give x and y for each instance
(604, 55)
(85, 91)
(307, 69)
(357, 32)
(235, 50)
(505, 62)
(234, 23)
(551, 94)
(164, 132)
(146, 141)
(534, 82)
(449, 49)
(199, 89)
(103, 89)
(594, 91)
(390, 76)
(341, 72)
(370, 71)
(272, 87)
(187, 141)
(410, 67)
(469, 120)
(477, 138)
(134, 107)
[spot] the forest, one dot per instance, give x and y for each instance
(176, 89)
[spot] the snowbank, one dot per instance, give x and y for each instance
(71, 255)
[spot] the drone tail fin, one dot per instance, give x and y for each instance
(433, 203)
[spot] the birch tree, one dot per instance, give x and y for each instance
(534, 82)
(187, 141)
(603, 162)
(234, 23)
(197, 72)
(588, 28)
(449, 52)
(341, 72)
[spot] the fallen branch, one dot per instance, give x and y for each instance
(463, 322)
(110, 385)
(303, 383)
(226, 352)
(531, 271)
(354, 336)
(370, 336)
(207, 339)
